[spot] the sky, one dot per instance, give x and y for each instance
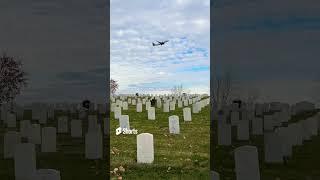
(62, 45)
(266, 45)
(271, 46)
(137, 66)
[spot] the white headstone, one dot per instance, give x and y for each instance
(25, 161)
(215, 175)
(10, 140)
(63, 124)
(35, 134)
(94, 145)
(125, 105)
(119, 103)
(48, 174)
(92, 123)
(172, 105)
(195, 108)
(187, 114)
(272, 148)
(310, 128)
(159, 104)
(145, 148)
(148, 105)
(139, 107)
(186, 103)
(199, 106)
(49, 139)
(165, 107)
(247, 163)
(124, 122)
(244, 114)
(151, 113)
(174, 126)
(117, 112)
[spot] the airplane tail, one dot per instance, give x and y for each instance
(153, 44)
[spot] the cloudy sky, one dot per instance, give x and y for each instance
(269, 45)
(140, 67)
(62, 44)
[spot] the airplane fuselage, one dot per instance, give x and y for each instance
(159, 43)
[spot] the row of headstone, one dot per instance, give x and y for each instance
(47, 137)
(278, 145)
(145, 146)
(258, 126)
(169, 104)
(42, 112)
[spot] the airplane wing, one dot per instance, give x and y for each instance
(159, 42)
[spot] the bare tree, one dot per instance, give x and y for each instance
(113, 86)
(222, 86)
(12, 78)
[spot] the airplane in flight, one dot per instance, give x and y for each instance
(159, 43)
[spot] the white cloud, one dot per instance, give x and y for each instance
(133, 58)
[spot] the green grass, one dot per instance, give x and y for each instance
(186, 155)
(69, 158)
(303, 165)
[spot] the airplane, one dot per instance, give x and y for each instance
(159, 43)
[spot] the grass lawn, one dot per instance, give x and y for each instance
(182, 156)
(69, 158)
(303, 165)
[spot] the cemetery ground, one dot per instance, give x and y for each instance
(303, 165)
(177, 156)
(69, 158)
